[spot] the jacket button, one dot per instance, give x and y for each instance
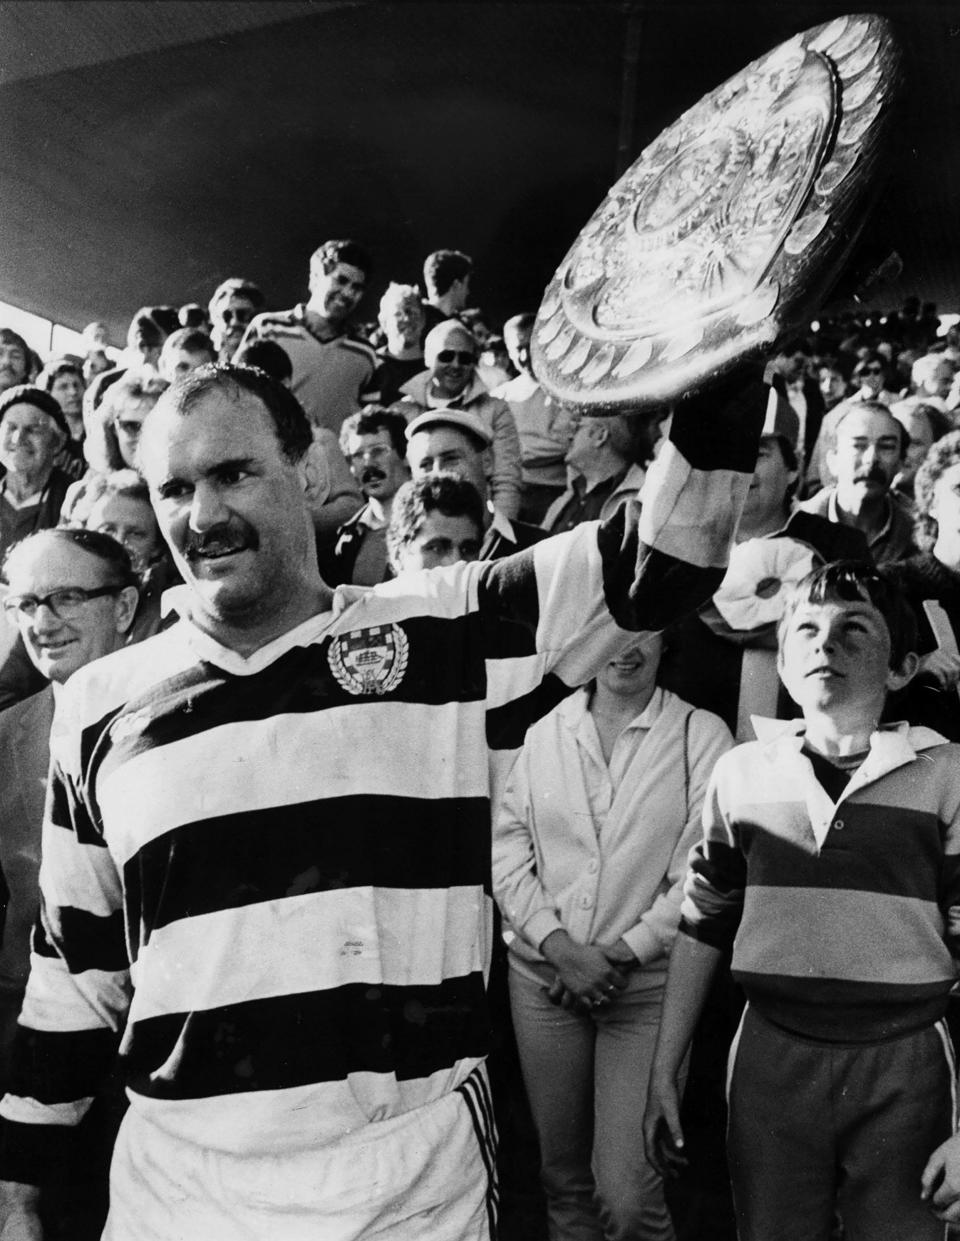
(838, 824)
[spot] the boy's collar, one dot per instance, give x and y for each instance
(897, 741)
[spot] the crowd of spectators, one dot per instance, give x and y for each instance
(435, 443)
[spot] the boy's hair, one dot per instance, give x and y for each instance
(415, 501)
(850, 581)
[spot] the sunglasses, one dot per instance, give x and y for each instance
(446, 356)
(873, 370)
(240, 317)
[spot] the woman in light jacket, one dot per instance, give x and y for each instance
(589, 857)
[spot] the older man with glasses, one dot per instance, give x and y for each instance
(450, 382)
(72, 595)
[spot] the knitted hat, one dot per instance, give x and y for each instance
(27, 394)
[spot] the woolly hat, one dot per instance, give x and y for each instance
(27, 394)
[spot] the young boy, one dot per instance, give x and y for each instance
(831, 861)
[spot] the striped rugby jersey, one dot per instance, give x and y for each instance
(328, 375)
(845, 916)
(272, 874)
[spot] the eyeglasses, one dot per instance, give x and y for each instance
(65, 603)
(128, 426)
(446, 356)
(378, 452)
(872, 370)
(240, 317)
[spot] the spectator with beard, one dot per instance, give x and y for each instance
(401, 318)
(870, 450)
(15, 357)
(374, 443)
(450, 382)
(330, 365)
(232, 308)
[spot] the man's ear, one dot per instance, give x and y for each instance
(125, 608)
(315, 475)
(897, 678)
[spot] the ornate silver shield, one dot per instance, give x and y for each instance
(726, 229)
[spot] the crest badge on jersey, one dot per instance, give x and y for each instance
(370, 661)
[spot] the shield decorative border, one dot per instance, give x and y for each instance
(370, 661)
(728, 227)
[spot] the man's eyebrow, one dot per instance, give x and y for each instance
(231, 463)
